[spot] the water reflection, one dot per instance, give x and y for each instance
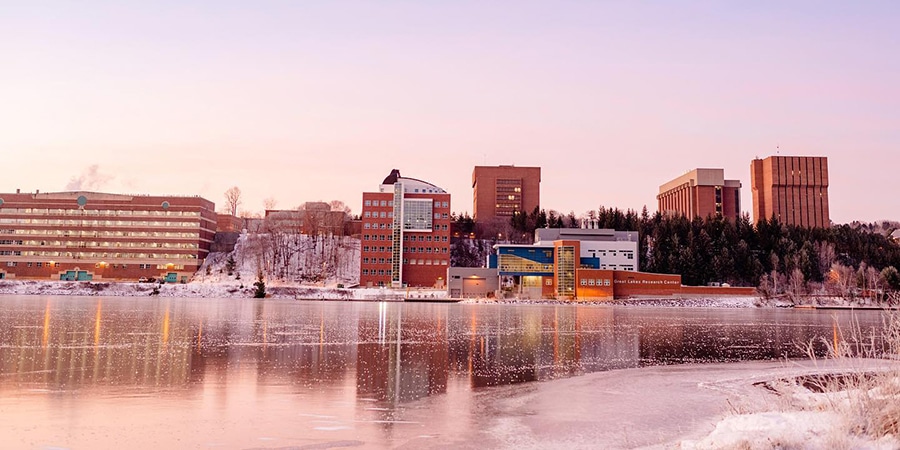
(234, 366)
(388, 352)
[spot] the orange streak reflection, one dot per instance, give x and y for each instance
(46, 336)
(97, 323)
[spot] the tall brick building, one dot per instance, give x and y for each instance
(500, 191)
(701, 192)
(793, 189)
(405, 234)
(79, 236)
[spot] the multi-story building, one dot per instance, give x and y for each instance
(501, 191)
(405, 234)
(541, 270)
(572, 264)
(701, 193)
(792, 189)
(90, 235)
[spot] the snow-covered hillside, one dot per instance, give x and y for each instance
(327, 261)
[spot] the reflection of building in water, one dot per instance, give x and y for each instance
(403, 358)
(66, 349)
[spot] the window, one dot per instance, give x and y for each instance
(11, 264)
(590, 282)
(606, 282)
(365, 271)
(366, 225)
(584, 282)
(445, 204)
(365, 260)
(384, 203)
(417, 215)
(366, 248)
(367, 203)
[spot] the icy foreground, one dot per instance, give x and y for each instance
(690, 407)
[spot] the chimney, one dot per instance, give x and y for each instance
(18, 191)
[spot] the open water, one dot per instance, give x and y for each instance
(112, 372)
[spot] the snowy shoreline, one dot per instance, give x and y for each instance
(692, 406)
(233, 289)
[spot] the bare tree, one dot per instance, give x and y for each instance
(232, 200)
(269, 203)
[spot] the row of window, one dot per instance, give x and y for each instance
(411, 262)
(95, 212)
(97, 223)
(98, 265)
(412, 216)
(390, 203)
(387, 237)
(95, 255)
(85, 244)
(366, 249)
(593, 282)
(97, 234)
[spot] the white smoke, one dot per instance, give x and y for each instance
(89, 180)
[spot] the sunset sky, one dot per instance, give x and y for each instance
(304, 101)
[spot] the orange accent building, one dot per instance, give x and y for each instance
(793, 189)
(79, 236)
(405, 234)
(500, 191)
(701, 193)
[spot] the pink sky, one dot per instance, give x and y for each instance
(302, 102)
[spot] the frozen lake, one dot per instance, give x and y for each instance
(114, 372)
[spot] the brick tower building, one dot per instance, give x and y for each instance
(405, 234)
(793, 189)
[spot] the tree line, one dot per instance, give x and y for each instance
(768, 254)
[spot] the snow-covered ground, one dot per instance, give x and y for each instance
(710, 406)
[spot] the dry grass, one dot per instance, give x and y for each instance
(868, 400)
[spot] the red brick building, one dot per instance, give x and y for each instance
(91, 236)
(405, 235)
(500, 191)
(701, 193)
(793, 189)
